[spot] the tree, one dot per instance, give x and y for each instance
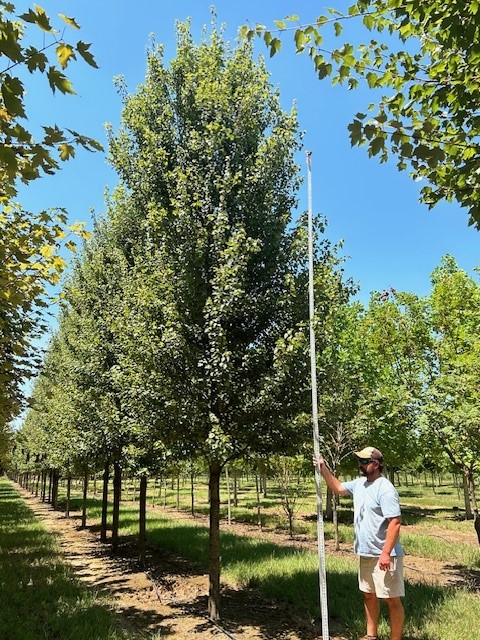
(425, 62)
(397, 334)
(346, 378)
(29, 242)
(207, 156)
(451, 415)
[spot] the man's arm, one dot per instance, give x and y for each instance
(334, 483)
(393, 531)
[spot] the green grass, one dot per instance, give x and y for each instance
(289, 575)
(39, 597)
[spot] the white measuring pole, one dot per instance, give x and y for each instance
(322, 573)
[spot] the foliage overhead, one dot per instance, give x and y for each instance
(30, 243)
(425, 60)
(21, 156)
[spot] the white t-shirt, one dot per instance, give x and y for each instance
(373, 504)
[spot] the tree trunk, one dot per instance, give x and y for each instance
(44, 486)
(103, 526)
(391, 475)
(142, 521)
(235, 488)
(467, 493)
(192, 491)
(264, 484)
(84, 499)
(117, 495)
(259, 513)
(335, 522)
(67, 501)
(50, 486)
(329, 505)
(229, 507)
(214, 543)
(56, 480)
(476, 523)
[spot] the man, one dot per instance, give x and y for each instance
(376, 511)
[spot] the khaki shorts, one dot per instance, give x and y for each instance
(385, 584)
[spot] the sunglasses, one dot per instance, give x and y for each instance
(367, 460)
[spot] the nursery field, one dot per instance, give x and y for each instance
(270, 577)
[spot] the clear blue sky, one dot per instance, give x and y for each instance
(391, 239)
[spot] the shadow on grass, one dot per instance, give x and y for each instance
(39, 597)
(259, 566)
(290, 599)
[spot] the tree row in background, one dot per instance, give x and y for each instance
(182, 332)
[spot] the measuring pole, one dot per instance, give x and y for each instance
(322, 574)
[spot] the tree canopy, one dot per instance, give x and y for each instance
(424, 60)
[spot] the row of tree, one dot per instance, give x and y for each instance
(182, 331)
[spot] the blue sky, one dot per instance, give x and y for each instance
(390, 239)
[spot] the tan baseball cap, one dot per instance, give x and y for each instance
(369, 452)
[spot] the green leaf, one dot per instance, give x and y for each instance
(338, 28)
(369, 21)
(377, 145)
(58, 80)
(12, 94)
(356, 133)
(70, 21)
(299, 40)
(35, 60)
(275, 46)
(280, 24)
(71, 246)
(64, 53)
(83, 50)
(53, 136)
(8, 158)
(372, 79)
(38, 17)
(9, 42)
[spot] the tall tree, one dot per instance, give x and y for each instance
(425, 62)
(207, 155)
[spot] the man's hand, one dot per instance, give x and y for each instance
(318, 461)
(384, 561)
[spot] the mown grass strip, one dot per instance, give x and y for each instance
(39, 596)
(291, 575)
(288, 575)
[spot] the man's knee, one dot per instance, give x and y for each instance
(394, 603)
(369, 597)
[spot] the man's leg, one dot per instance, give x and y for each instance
(372, 613)
(397, 617)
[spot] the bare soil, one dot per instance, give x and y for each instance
(169, 598)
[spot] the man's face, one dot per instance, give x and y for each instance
(367, 466)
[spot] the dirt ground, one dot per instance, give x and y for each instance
(170, 597)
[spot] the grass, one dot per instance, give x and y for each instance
(39, 597)
(433, 612)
